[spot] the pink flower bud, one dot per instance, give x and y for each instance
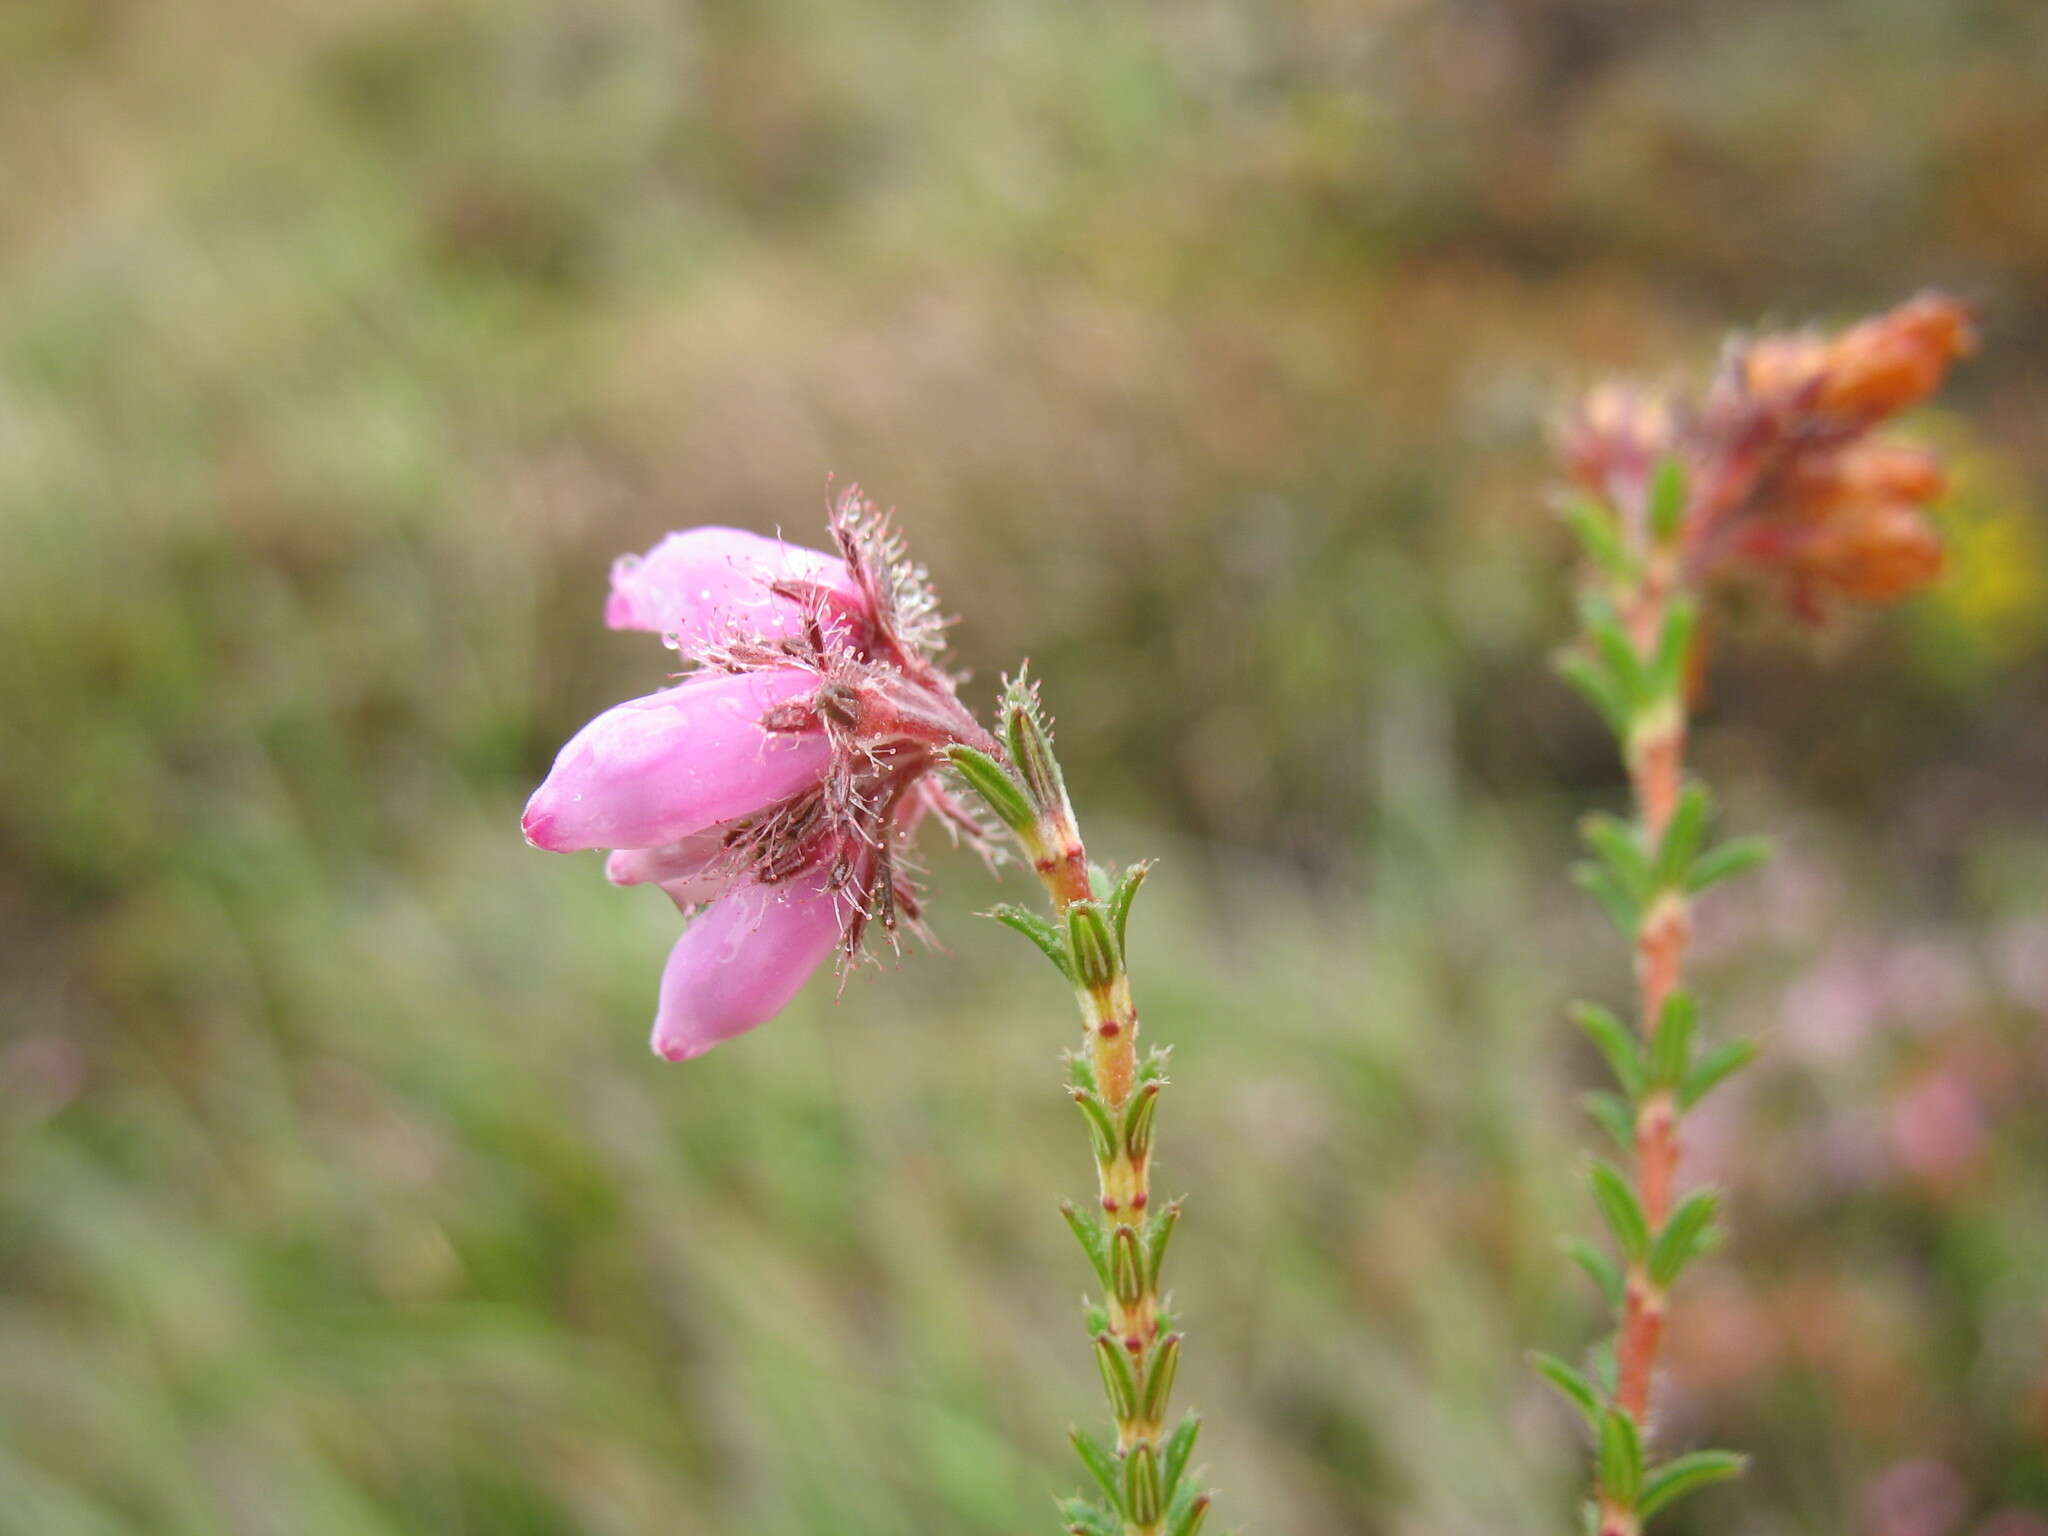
(656, 769)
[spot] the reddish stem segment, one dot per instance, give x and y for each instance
(1656, 777)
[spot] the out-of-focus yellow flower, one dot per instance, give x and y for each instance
(1996, 582)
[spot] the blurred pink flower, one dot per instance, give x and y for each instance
(1831, 1011)
(1922, 1497)
(775, 785)
(1938, 1128)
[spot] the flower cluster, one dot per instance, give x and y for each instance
(772, 791)
(1772, 472)
(1787, 480)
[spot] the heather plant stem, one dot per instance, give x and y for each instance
(1634, 667)
(1144, 1478)
(1772, 471)
(1109, 1023)
(1656, 765)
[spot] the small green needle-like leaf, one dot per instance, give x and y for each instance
(1616, 1041)
(1730, 859)
(1716, 1065)
(1683, 1474)
(1682, 836)
(1571, 1386)
(1599, 1268)
(1685, 1235)
(1619, 1205)
(1621, 1456)
(1611, 1112)
(1038, 931)
(1671, 1050)
(1101, 1465)
(1667, 498)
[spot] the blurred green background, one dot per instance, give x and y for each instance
(1209, 350)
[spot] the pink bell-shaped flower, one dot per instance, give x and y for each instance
(741, 960)
(771, 790)
(656, 769)
(705, 584)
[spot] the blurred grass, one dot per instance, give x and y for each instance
(1208, 350)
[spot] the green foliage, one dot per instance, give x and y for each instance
(1599, 536)
(1158, 1233)
(1572, 1386)
(990, 780)
(1727, 861)
(1617, 1042)
(1144, 1499)
(1127, 1278)
(1139, 1116)
(1614, 1115)
(1615, 900)
(1674, 649)
(1180, 1445)
(1714, 1067)
(1685, 1474)
(1620, 1456)
(1121, 896)
(1667, 499)
(1598, 688)
(1101, 1465)
(1620, 1208)
(1625, 670)
(1088, 1232)
(1119, 1383)
(1050, 940)
(1681, 837)
(1599, 1268)
(1095, 958)
(1101, 1129)
(1159, 1376)
(1029, 738)
(1620, 852)
(1685, 1235)
(1671, 1049)
(1083, 1518)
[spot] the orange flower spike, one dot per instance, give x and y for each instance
(1864, 473)
(1894, 360)
(1775, 367)
(1873, 552)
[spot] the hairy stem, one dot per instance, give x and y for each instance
(1145, 1480)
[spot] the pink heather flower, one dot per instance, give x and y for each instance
(771, 792)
